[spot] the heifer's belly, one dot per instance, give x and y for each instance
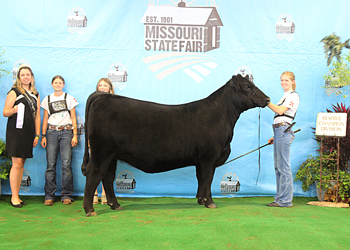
(150, 164)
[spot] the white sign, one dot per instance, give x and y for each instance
(331, 124)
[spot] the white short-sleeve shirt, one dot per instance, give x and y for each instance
(290, 100)
(61, 118)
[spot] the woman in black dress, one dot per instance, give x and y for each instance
(23, 127)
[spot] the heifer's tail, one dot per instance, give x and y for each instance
(86, 158)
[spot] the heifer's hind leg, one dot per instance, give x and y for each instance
(108, 186)
(92, 181)
(94, 174)
(205, 174)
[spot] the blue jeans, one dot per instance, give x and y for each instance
(284, 178)
(59, 141)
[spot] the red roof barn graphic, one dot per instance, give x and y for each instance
(181, 29)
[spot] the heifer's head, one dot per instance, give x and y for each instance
(249, 96)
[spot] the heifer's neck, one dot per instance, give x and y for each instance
(234, 110)
(226, 101)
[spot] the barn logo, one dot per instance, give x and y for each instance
(16, 68)
(230, 184)
(80, 128)
(76, 21)
(285, 27)
(26, 181)
(184, 31)
(125, 182)
(245, 71)
(118, 75)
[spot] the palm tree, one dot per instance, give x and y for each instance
(333, 47)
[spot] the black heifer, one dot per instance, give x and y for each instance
(156, 138)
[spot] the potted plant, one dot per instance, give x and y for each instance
(338, 75)
(5, 163)
(337, 80)
(309, 172)
(343, 189)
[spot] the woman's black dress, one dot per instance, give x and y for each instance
(19, 142)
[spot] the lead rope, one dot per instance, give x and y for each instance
(257, 178)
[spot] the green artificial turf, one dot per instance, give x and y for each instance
(174, 223)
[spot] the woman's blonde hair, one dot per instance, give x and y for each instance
(291, 76)
(106, 80)
(18, 83)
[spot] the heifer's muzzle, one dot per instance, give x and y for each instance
(268, 101)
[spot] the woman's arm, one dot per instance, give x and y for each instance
(37, 123)
(278, 109)
(45, 122)
(75, 130)
(9, 109)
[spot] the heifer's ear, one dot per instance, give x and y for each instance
(247, 77)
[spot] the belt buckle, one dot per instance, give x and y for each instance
(282, 124)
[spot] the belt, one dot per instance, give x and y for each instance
(59, 128)
(280, 124)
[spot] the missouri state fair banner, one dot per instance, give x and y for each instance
(175, 52)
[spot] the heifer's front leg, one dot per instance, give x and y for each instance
(200, 193)
(108, 186)
(205, 174)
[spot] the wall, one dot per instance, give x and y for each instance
(242, 37)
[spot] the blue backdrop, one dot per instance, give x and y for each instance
(156, 51)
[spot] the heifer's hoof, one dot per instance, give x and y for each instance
(118, 208)
(91, 214)
(201, 202)
(115, 206)
(211, 205)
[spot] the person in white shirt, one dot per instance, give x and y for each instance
(59, 134)
(285, 111)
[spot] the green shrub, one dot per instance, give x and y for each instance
(5, 161)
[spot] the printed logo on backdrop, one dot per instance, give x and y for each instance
(16, 67)
(125, 182)
(80, 128)
(76, 21)
(245, 71)
(285, 27)
(230, 185)
(183, 31)
(118, 75)
(26, 181)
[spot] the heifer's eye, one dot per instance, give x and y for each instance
(251, 89)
